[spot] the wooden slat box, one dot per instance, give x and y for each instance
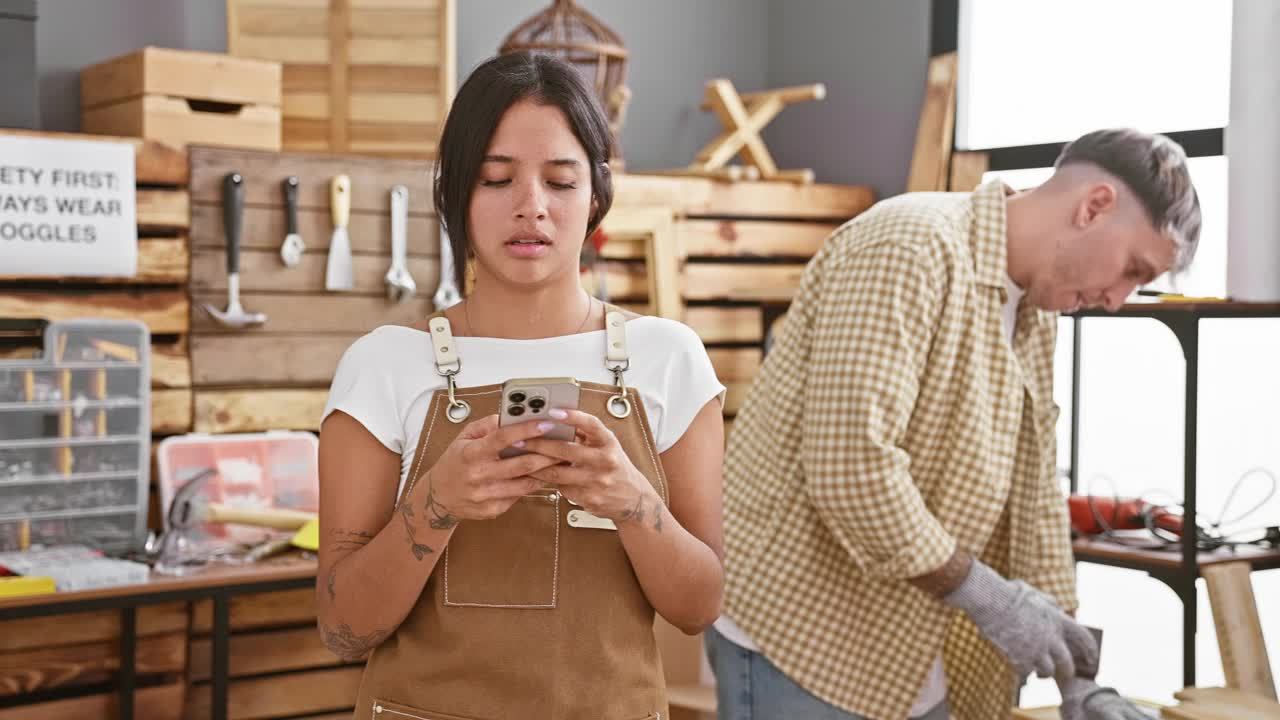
(182, 97)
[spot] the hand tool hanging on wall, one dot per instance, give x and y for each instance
(447, 294)
(338, 274)
(400, 284)
(292, 248)
(232, 211)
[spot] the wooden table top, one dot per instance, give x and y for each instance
(1099, 549)
(287, 567)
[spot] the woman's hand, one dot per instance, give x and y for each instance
(595, 472)
(470, 481)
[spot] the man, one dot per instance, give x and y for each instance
(890, 490)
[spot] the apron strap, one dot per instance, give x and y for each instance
(448, 364)
(617, 359)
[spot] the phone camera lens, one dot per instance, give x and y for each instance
(516, 397)
(537, 403)
(516, 410)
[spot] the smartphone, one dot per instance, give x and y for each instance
(529, 399)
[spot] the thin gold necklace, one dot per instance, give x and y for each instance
(466, 313)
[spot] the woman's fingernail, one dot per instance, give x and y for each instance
(518, 443)
(558, 414)
(545, 426)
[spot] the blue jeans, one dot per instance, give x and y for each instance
(749, 687)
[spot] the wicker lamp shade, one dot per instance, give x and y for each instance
(578, 37)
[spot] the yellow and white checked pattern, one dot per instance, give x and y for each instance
(890, 424)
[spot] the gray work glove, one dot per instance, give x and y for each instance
(1083, 700)
(1025, 624)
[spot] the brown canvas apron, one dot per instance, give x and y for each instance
(537, 613)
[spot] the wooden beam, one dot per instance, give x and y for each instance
(154, 163)
(753, 238)
(1235, 617)
(162, 311)
(27, 671)
(787, 201)
(713, 281)
(967, 169)
(170, 364)
(222, 411)
(730, 324)
(281, 695)
(931, 160)
(259, 610)
(89, 627)
(265, 652)
(163, 210)
(332, 313)
(266, 359)
(264, 171)
(171, 411)
(162, 702)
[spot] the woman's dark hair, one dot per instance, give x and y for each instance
(483, 99)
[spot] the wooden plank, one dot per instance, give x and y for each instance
(1240, 641)
(735, 364)
(392, 107)
(753, 238)
(786, 200)
(340, 61)
(931, 160)
(394, 78)
(967, 169)
(162, 702)
(154, 163)
(400, 51)
(350, 315)
(265, 652)
(163, 210)
(263, 271)
(625, 281)
(220, 411)
(371, 178)
(259, 610)
(89, 627)
(268, 360)
(171, 411)
(284, 48)
(735, 394)
(279, 20)
(281, 695)
(160, 261)
(263, 228)
(27, 671)
(710, 281)
(385, 22)
(167, 72)
(170, 364)
(162, 311)
(1221, 704)
(725, 324)
(306, 78)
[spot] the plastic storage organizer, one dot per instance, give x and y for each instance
(75, 438)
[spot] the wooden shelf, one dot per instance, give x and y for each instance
(1117, 555)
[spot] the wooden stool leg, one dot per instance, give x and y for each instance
(1240, 642)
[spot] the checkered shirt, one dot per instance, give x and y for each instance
(890, 424)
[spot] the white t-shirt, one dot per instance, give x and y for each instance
(934, 689)
(385, 380)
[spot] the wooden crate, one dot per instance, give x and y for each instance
(180, 97)
(252, 379)
(364, 76)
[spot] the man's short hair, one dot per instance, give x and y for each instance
(1155, 169)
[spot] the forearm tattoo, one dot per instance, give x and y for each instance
(349, 540)
(638, 513)
(441, 518)
(349, 646)
(419, 550)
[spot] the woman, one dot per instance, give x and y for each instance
(472, 577)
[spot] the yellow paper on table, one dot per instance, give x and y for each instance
(308, 536)
(19, 586)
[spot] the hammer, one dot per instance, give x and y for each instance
(232, 210)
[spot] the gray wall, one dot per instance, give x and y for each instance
(675, 46)
(871, 54)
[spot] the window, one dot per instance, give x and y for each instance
(1042, 72)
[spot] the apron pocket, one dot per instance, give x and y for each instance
(511, 561)
(383, 710)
